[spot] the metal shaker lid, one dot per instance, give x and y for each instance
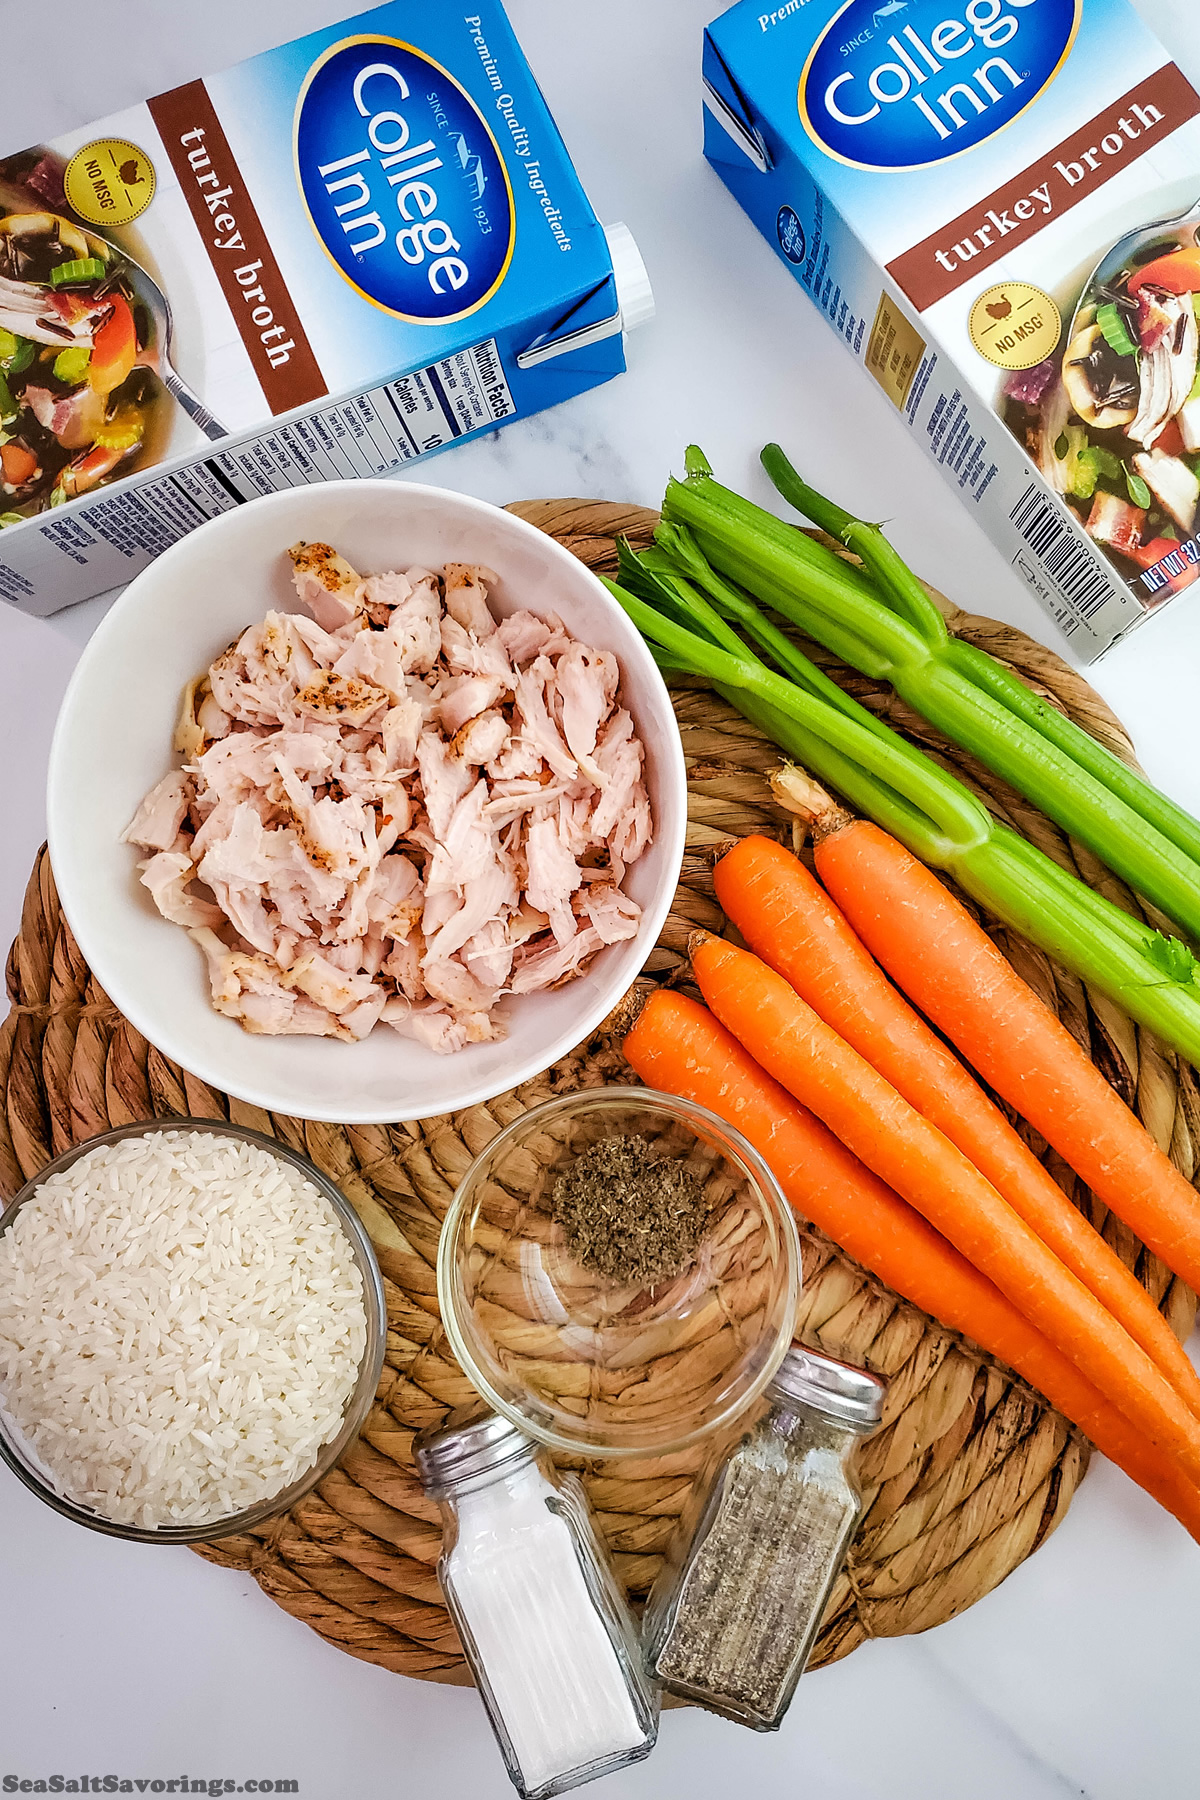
(467, 1445)
(837, 1389)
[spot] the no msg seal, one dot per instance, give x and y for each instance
(109, 182)
(1015, 325)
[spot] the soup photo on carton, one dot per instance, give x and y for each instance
(331, 260)
(995, 205)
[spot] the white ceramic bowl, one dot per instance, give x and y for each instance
(113, 742)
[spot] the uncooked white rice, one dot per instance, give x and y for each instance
(181, 1326)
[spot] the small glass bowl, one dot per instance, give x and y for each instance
(28, 1467)
(591, 1366)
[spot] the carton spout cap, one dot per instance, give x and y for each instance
(635, 296)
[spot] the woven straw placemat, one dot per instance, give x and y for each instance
(971, 1469)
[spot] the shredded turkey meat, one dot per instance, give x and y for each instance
(396, 806)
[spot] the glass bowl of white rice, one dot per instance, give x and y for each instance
(192, 1326)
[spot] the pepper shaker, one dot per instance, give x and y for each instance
(732, 1617)
(544, 1625)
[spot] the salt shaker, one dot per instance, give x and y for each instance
(546, 1629)
(732, 1617)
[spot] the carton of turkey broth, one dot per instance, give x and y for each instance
(331, 260)
(995, 204)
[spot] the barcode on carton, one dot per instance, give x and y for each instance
(1083, 583)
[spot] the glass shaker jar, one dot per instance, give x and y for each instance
(733, 1615)
(544, 1625)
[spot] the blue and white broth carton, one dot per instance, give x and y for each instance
(326, 262)
(995, 203)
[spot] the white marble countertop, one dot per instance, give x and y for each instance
(1081, 1675)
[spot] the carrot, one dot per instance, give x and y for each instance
(678, 1046)
(17, 464)
(788, 1039)
(787, 918)
(949, 967)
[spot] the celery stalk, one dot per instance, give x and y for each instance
(993, 679)
(938, 819)
(864, 792)
(759, 552)
(948, 804)
(676, 548)
(1149, 842)
(1149, 802)
(904, 592)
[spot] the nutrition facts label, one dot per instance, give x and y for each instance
(373, 433)
(110, 540)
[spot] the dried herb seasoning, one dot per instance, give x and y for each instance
(628, 1212)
